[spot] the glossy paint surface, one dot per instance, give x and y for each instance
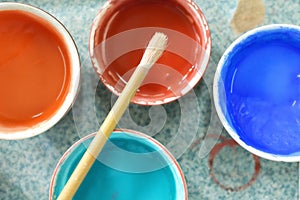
(262, 87)
(34, 70)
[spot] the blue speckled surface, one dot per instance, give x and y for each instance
(227, 172)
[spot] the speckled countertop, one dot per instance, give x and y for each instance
(223, 170)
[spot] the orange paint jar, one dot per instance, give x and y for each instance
(119, 36)
(39, 71)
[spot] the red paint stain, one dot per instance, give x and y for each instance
(232, 144)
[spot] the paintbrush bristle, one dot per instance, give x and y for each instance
(154, 50)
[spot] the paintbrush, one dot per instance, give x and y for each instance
(152, 53)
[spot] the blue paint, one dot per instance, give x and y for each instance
(262, 87)
(130, 167)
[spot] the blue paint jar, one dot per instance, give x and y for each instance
(257, 91)
(132, 165)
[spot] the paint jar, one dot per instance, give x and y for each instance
(257, 91)
(119, 36)
(131, 165)
(39, 71)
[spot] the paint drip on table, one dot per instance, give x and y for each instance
(248, 15)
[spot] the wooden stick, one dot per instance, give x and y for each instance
(153, 51)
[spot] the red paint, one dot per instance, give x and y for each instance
(180, 16)
(34, 70)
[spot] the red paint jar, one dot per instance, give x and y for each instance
(119, 36)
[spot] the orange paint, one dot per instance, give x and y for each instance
(173, 15)
(34, 70)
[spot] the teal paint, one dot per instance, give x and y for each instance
(130, 167)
